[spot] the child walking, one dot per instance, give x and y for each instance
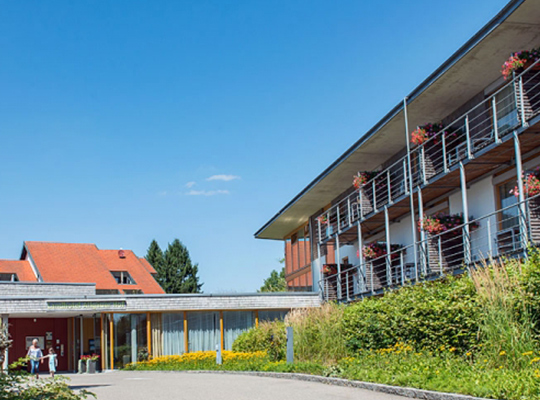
(53, 361)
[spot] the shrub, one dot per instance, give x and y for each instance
(269, 337)
(425, 315)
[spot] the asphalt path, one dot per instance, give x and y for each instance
(133, 385)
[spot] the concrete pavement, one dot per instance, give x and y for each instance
(133, 385)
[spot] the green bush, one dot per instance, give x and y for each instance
(426, 315)
(269, 337)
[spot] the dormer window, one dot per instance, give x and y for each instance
(123, 278)
(8, 277)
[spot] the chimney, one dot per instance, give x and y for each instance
(121, 253)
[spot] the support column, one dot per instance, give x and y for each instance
(221, 330)
(81, 336)
(319, 275)
(523, 231)
(338, 262)
(388, 248)
(5, 325)
(411, 186)
(149, 334)
(186, 335)
(362, 267)
(111, 332)
(466, 229)
(103, 342)
(133, 320)
(256, 318)
(422, 247)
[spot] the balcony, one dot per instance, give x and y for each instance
(480, 139)
(505, 233)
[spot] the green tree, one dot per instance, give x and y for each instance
(276, 281)
(177, 273)
(154, 256)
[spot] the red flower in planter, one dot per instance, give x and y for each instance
(362, 178)
(329, 269)
(518, 60)
(378, 249)
(440, 223)
(425, 132)
(323, 219)
(531, 184)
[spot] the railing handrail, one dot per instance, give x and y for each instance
(358, 267)
(418, 148)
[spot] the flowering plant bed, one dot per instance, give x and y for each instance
(519, 60)
(93, 357)
(425, 132)
(378, 249)
(440, 223)
(322, 219)
(531, 184)
(361, 178)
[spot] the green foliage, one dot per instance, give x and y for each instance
(275, 282)
(154, 256)
(175, 270)
(318, 336)
(425, 315)
(269, 337)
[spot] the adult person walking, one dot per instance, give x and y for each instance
(36, 356)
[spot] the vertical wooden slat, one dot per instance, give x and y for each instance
(103, 343)
(149, 335)
(186, 336)
(221, 329)
(256, 318)
(111, 333)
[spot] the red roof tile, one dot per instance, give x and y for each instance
(147, 265)
(20, 267)
(132, 264)
(85, 263)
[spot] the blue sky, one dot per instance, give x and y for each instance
(125, 121)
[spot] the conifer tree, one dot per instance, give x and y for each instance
(178, 274)
(276, 281)
(154, 256)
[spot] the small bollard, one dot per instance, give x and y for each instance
(290, 345)
(219, 360)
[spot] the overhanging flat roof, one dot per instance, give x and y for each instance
(466, 73)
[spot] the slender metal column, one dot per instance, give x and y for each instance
(81, 346)
(362, 271)
(388, 247)
(522, 103)
(424, 261)
(338, 262)
(411, 186)
(466, 229)
(521, 195)
(495, 120)
(468, 136)
(319, 265)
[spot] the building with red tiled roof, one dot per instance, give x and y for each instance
(113, 271)
(17, 270)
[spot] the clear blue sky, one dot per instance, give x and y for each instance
(115, 114)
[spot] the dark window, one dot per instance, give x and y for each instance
(9, 277)
(123, 278)
(107, 291)
(133, 291)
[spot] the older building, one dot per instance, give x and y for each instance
(82, 300)
(448, 178)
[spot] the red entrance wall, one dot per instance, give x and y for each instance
(20, 328)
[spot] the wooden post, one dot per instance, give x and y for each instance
(221, 329)
(111, 333)
(256, 318)
(186, 336)
(103, 343)
(149, 335)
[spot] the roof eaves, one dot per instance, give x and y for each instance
(462, 51)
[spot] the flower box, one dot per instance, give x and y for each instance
(81, 367)
(91, 367)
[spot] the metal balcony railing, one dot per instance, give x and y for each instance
(461, 140)
(504, 233)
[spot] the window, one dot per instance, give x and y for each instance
(123, 278)
(9, 277)
(107, 291)
(509, 217)
(133, 291)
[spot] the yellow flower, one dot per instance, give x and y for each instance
(502, 353)
(468, 353)
(535, 360)
(527, 353)
(452, 349)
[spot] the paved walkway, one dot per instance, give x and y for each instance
(133, 385)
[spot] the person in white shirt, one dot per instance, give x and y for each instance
(53, 361)
(36, 356)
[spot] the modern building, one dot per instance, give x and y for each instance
(447, 178)
(82, 300)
